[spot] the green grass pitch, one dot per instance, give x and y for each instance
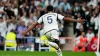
(23, 53)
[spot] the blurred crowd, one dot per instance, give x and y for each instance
(17, 15)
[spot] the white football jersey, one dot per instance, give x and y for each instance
(50, 21)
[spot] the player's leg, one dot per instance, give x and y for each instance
(54, 41)
(56, 46)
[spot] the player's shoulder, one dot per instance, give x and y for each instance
(55, 13)
(47, 14)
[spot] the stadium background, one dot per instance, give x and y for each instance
(18, 15)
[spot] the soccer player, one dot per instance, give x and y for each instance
(51, 27)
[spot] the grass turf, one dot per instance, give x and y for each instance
(23, 53)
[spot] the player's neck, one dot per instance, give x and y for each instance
(50, 12)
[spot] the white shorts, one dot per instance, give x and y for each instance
(52, 34)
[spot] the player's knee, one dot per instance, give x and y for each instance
(56, 41)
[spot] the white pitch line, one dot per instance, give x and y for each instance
(97, 53)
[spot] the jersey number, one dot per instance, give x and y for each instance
(49, 19)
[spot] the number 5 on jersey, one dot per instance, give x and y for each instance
(49, 19)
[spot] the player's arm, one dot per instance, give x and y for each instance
(61, 17)
(73, 20)
(33, 26)
(30, 28)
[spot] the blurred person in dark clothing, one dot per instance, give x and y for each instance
(1, 42)
(2, 12)
(88, 14)
(79, 26)
(20, 2)
(32, 7)
(8, 10)
(99, 2)
(76, 8)
(83, 9)
(24, 8)
(84, 12)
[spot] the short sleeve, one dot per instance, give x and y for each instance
(60, 17)
(40, 20)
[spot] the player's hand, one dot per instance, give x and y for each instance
(23, 33)
(81, 21)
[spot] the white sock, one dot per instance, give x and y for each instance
(58, 50)
(52, 44)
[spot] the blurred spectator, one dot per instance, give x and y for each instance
(38, 11)
(93, 43)
(64, 6)
(90, 34)
(9, 10)
(2, 41)
(1, 9)
(94, 20)
(21, 27)
(98, 2)
(54, 3)
(15, 10)
(37, 2)
(93, 2)
(3, 27)
(32, 7)
(32, 17)
(88, 14)
(24, 8)
(30, 41)
(12, 25)
(79, 26)
(46, 3)
(81, 43)
(76, 8)
(83, 6)
(11, 39)
(25, 18)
